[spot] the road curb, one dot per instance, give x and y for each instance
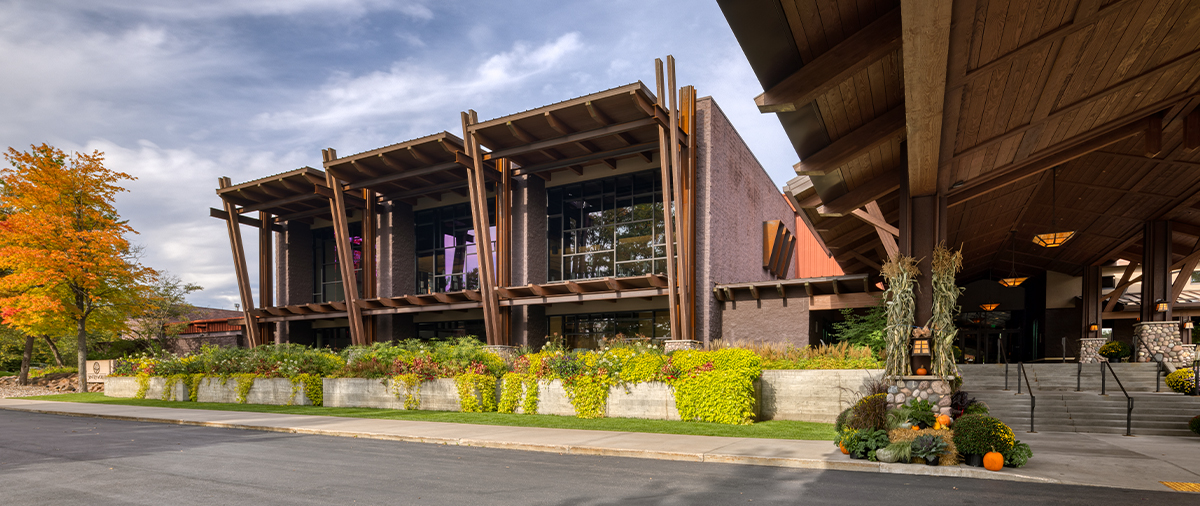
(718, 458)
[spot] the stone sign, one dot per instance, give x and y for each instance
(97, 370)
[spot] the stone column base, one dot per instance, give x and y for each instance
(1160, 337)
(1089, 350)
(935, 391)
(682, 344)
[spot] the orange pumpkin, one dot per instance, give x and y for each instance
(914, 427)
(844, 450)
(921, 371)
(993, 461)
(943, 420)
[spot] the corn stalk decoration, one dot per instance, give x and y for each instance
(945, 267)
(901, 273)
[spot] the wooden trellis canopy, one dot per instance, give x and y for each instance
(424, 167)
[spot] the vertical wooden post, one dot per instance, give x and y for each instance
(341, 232)
(1156, 269)
(1090, 303)
(239, 266)
(677, 191)
(369, 262)
(266, 283)
(477, 186)
(664, 161)
(504, 243)
(690, 207)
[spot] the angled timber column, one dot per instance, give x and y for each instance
(341, 234)
(266, 282)
(1156, 269)
(239, 266)
(1090, 307)
(664, 161)
(370, 232)
(477, 188)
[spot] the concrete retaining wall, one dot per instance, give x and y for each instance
(813, 396)
(810, 395)
(436, 395)
(276, 391)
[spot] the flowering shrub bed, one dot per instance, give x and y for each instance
(715, 385)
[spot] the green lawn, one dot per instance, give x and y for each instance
(774, 429)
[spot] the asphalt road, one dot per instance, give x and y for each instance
(51, 459)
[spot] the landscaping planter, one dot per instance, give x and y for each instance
(817, 395)
(127, 387)
(436, 395)
(274, 391)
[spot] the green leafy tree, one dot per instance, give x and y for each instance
(165, 308)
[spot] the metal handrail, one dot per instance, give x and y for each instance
(1032, 398)
(1078, 376)
(1000, 352)
(1128, 399)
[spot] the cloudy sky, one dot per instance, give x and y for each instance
(179, 93)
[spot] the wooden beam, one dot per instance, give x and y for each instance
(483, 235)
(401, 173)
(857, 52)
(926, 29)
(1047, 159)
(1185, 275)
(1116, 293)
(593, 157)
(1191, 130)
(876, 222)
(239, 268)
(571, 138)
(865, 261)
(886, 236)
(875, 133)
(294, 199)
(1154, 135)
(266, 271)
(243, 219)
(350, 200)
(842, 301)
(341, 231)
(665, 159)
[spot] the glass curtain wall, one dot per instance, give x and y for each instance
(447, 260)
(606, 227)
(327, 275)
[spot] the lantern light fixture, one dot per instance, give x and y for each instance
(991, 306)
(1053, 239)
(1093, 327)
(1160, 306)
(1187, 324)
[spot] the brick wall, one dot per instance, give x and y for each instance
(734, 197)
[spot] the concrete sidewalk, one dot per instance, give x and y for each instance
(1068, 458)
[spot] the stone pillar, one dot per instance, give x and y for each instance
(529, 258)
(1089, 350)
(1161, 337)
(935, 391)
(1156, 269)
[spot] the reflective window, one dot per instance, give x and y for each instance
(587, 330)
(446, 256)
(606, 227)
(327, 275)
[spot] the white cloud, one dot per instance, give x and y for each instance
(168, 206)
(212, 9)
(408, 89)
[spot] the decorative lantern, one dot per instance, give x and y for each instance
(921, 347)
(1093, 327)
(1053, 239)
(1160, 306)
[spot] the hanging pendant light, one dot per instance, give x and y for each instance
(1053, 239)
(1012, 279)
(991, 306)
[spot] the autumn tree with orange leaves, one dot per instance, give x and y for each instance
(64, 255)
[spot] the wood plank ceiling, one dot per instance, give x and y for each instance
(1081, 85)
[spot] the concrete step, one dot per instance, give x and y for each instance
(1153, 414)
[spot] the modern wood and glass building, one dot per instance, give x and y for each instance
(619, 212)
(1054, 142)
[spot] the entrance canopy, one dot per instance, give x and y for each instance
(973, 103)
